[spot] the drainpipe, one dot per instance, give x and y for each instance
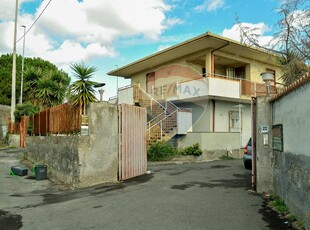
(212, 56)
(254, 114)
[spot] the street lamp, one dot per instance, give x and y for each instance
(101, 90)
(22, 77)
(268, 77)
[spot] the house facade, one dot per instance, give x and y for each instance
(199, 90)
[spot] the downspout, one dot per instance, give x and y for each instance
(212, 56)
(254, 114)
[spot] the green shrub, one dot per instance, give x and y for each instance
(160, 151)
(26, 109)
(279, 205)
(192, 150)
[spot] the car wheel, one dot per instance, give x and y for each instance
(248, 165)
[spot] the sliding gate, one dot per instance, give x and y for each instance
(132, 147)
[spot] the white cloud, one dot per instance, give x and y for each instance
(79, 30)
(173, 21)
(260, 29)
(210, 5)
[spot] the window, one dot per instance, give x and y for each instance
(230, 72)
(234, 123)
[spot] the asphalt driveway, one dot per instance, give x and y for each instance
(212, 195)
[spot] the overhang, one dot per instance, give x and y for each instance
(196, 44)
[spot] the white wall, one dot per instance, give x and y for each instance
(293, 112)
(222, 110)
(125, 96)
(185, 121)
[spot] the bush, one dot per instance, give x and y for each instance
(160, 151)
(192, 150)
(26, 109)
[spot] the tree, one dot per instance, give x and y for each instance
(82, 90)
(47, 88)
(291, 41)
(36, 72)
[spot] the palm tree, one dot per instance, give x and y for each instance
(45, 88)
(82, 90)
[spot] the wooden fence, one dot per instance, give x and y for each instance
(63, 118)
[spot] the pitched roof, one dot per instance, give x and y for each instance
(286, 90)
(196, 44)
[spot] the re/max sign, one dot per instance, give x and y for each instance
(174, 90)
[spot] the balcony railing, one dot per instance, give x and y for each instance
(215, 85)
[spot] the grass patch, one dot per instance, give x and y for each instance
(279, 205)
(3, 145)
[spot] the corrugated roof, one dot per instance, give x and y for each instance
(286, 90)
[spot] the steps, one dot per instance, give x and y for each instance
(162, 116)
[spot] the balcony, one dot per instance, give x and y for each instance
(216, 86)
(202, 87)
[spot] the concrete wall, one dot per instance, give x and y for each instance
(81, 160)
(292, 166)
(213, 145)
(4, 117)
(264, 151)
(125, 96)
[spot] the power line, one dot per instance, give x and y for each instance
(34, 21)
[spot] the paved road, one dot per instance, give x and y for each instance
(210, 195)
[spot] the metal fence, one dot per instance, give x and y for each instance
(132, 151)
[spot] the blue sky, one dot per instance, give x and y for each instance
(106, 33)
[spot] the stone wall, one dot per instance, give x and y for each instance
(264, 152)
(292, 183)
(4, 117)
(81, 161)
(292, 166)
(59, 153)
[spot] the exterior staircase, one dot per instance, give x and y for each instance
(162, 116)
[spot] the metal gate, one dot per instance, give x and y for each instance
(132, 147)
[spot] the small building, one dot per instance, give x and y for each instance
(199, 91)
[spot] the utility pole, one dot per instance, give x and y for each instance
(13, 96)
(22, 77)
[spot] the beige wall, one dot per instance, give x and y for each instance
(222, 110)
(253, 69)
(202, 117)
(213, 145)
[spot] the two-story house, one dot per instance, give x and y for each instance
(199, 90)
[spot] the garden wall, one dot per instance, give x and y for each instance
(81, 161)
(292, 166)
(4, 117)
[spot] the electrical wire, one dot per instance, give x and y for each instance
(34, 21)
